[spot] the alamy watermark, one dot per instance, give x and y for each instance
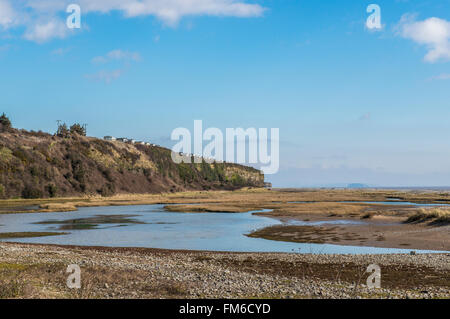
(74, 279)
(74, 19)
(374, 280)
(230, 147)
(374, 20)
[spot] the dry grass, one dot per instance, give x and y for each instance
(213, 208)
(431, 215)
(11, 289)
(49, 281)
(57, 207)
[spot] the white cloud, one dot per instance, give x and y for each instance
(42, 32)
(105, 76)
(171, 11)
(118, 55)
(434, 33)
(7, 15)
(44, 19)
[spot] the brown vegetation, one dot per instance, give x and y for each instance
(434, 216)
(28, 234)
(40, 165)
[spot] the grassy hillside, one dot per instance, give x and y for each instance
(36, 164)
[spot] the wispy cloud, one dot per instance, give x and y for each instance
(60, 51)
(5, 47)
(123, 57)
(365, 117)
(434, 33)
(117, 55)
(44, 20)
(440, 77)
(105, 75)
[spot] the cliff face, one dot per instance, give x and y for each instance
(36, 165)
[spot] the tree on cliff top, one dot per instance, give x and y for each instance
(63, 131)
(5, 123)
(77, 128)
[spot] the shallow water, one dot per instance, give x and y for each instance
(151, 226)
(401, 203)
(391, 202)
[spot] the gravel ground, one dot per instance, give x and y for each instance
(152, 273)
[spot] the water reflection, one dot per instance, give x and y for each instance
(150, 226)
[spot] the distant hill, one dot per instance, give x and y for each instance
(36, 164)
(357, 185)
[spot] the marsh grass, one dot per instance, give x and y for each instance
(92, 222)
(12, 283)
(29, 234)
(432, 215)
(57, 207)
(11, 289)
(211, 208)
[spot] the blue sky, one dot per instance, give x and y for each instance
(353, 105)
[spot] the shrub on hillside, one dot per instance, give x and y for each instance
(31, 192)
(107, 190)
(237, 180)
(52, 190)
(21, 154)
